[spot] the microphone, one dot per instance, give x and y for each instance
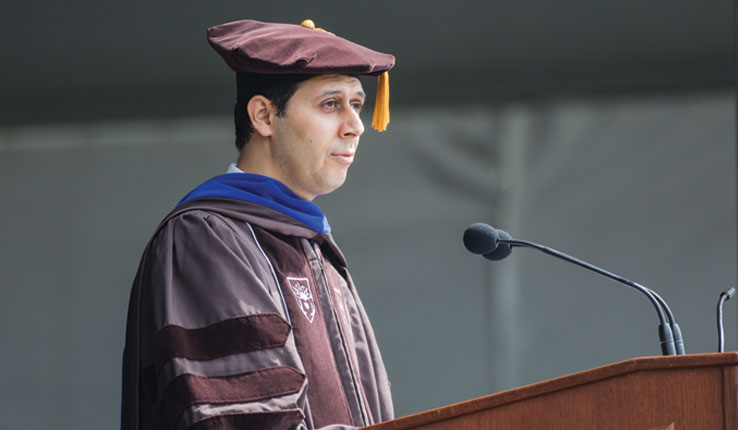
(497, 244)
(484, 239)
(724, 297)
(503, 249)
(480, 238)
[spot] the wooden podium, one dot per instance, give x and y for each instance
(696, 391)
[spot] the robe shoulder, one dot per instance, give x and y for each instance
(201, 268)
(215, 344)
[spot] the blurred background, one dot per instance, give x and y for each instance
(604, 129)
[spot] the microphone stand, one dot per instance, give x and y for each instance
(669, 334)
(724, 296)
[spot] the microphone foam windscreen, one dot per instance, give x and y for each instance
(502, 250)
(480, 238)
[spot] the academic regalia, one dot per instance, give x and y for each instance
(243, 314)
(243, 317)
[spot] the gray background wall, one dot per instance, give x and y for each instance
(628, 163)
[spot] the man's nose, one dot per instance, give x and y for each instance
(352, 126)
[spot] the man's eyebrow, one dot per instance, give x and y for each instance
(334, 92)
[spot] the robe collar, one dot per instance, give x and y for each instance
(264, 191)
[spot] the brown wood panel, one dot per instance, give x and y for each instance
(641, 393)
(730, 397)
(601, 405)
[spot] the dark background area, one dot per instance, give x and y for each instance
(84, 60)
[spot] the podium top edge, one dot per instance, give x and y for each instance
(638, 364)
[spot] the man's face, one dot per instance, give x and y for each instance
(314, 143)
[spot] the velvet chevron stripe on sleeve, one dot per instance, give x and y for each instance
(187, 390)
(285, 419)
(231, 336)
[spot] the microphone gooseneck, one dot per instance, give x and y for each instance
(501, 244)
(666, 334)
(724, 297)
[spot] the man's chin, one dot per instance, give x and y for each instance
(332, 185)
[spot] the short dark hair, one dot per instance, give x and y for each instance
(277, 88)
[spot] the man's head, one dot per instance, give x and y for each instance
(309, 143)
(300, 126)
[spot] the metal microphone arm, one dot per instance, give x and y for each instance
(724, 296)
(675, 330)
(666, 335)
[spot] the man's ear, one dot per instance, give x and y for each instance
(260, 110)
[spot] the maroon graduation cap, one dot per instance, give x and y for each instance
(272, 48)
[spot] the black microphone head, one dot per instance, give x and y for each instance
(480, 238)
(502, 250)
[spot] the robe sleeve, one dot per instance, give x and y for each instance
(216, 348)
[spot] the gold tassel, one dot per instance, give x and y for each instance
(381, 106)
(309, 23)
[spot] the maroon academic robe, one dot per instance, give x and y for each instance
(243, 318)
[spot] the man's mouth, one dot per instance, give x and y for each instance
(344, 157)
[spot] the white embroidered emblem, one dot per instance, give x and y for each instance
(304, 297)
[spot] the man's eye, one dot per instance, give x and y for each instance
(330, 104)
(357, 106)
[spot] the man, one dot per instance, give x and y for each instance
(243, 314)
